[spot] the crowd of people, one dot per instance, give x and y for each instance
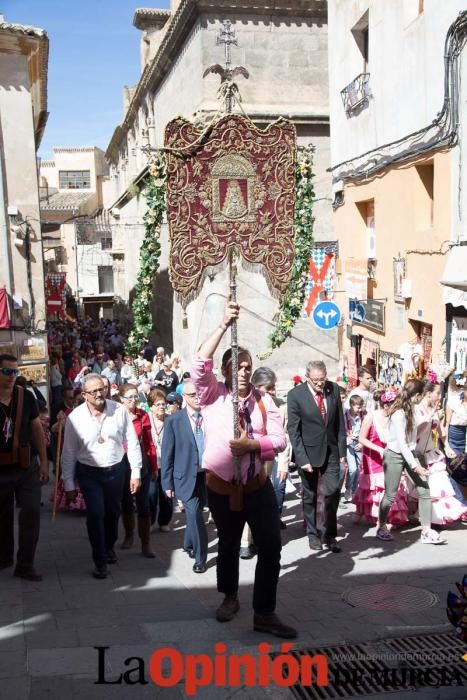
(136, 437)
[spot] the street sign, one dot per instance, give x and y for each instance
(327, 315)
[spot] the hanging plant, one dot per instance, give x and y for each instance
(154, 191)
(292, 305)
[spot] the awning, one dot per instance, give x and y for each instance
(456, 297)
(455, 272)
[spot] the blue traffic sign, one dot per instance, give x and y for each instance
(327, 315)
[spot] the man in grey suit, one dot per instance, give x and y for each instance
(317, 433)
(181, 473)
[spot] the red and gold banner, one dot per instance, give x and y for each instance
(55, 294)
(232, 189)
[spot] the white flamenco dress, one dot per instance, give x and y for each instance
(445, 507)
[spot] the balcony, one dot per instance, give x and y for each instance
(356, 94)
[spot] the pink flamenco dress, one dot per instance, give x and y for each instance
(370, 489)
(446, 509)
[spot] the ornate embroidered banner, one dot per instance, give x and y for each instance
(55, 294)
(233, 188)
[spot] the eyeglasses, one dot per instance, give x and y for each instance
(130, 398)
(192, 395)
(317, 381)
(95, 392)
(9, 372)
(173, 403)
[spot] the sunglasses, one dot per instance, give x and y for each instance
(9, 372)
(173, 403)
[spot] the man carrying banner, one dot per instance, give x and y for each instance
(253, 501)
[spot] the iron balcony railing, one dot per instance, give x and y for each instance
(356, 93)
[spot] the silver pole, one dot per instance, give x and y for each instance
(234, 347)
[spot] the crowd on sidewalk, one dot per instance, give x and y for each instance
(131, 438)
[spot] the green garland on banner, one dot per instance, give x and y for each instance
(292, 305)
(154, 191)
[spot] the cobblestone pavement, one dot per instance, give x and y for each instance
(48, 630)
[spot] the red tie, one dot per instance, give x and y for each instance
(320, 403)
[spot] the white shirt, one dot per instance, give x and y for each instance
(80, 444)
(367, 396)
(458, 408)
(399, 441)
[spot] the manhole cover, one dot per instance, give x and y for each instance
(390, 597)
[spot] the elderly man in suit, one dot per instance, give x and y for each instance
(181, 457)
(317, 433)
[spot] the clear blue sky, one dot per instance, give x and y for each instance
(94, 52)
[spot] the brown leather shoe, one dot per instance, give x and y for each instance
(228, 608)
(271, 624)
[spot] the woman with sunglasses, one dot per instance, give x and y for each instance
(142, 426)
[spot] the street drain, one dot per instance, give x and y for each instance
(386, 666)
(387, 596)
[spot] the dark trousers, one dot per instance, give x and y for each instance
(196, 534)
(158, 497)
(102, 492)
(25, 486)
(261, 513)
(141, 498)
(279, 487)
(332, 474)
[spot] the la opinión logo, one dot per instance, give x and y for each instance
(167, 667)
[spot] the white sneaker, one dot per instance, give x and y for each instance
(348, 496)
(432, 537)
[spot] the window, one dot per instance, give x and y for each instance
(106, 243)
(74, 179)
(361, 34)
(105, 276)
(424, 195)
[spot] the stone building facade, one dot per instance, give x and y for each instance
(398, 164)
(77, 237)
(284, 48)
(23, 116)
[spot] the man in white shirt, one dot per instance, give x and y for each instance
(94, 457)
(364, 389)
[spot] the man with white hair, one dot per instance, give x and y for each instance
(317, 432)
(94, 457)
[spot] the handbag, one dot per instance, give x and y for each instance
(457, 469)
(19, 454)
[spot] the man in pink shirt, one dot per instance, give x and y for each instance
(262, 437)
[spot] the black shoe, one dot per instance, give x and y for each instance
(111, 556)
(228, 608)
(282, 525)
(271, 624)
(5, 564)
(314, 542)
(332, 546)
(200, 568)
(99, 573)
(247, 552)
(27, 574)
(190, 553)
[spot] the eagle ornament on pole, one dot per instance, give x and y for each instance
(230, 193)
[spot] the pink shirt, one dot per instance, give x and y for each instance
(217, 410)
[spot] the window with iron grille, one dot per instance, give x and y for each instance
(105, 275)
(106, 243)
(74, 179)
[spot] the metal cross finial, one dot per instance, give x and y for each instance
(228, 74)
(227, 37)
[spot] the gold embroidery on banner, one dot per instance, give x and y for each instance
(235, 190)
